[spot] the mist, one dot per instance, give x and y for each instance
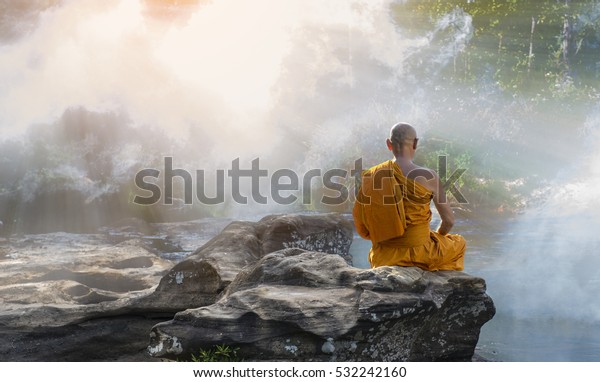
(95, 91)
(550, 259)
(121, 84)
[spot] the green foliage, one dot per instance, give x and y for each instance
(482, 184)
(218, 353)
(545, 48)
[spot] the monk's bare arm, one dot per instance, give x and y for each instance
(443, 206)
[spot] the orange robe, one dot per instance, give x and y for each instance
(394, 213)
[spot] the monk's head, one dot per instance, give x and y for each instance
(403, 140)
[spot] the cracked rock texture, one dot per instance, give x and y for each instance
(89, 297)
(281, 288)
(201, 277)
(302, 305)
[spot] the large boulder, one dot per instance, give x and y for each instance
(79, 297)
(312, 306)
(201, 277)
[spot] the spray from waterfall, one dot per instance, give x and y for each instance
(551, 256)
(107, 88)
(96, 91)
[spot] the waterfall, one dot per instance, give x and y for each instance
(95, 91)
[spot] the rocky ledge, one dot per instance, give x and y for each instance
(282, 288)
(204, 275)
(88, 297)
(311, 306)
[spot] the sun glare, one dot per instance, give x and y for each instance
(110, 26)
(233, 48)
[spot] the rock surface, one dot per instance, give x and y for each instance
(71, 297)
(89, 297)
(60, 272)
(311, 306)
(201, 277)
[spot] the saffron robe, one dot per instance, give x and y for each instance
(393, 212)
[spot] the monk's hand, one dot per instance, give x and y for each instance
(443, 229)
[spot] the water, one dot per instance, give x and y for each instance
(529, 325)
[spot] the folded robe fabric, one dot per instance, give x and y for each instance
(394, 212)
(380, 200)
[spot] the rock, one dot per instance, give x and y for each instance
(120, 338)
(311, 306)
(75, 269)
(71, 297)
(75, 297)
(173, 241)
(329, 233)
(60, 279)
(201, 277)
(83, 297)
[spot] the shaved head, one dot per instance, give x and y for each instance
(402, 133)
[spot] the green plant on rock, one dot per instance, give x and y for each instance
(218, 353)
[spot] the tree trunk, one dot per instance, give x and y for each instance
(565, 46)
(530, 57)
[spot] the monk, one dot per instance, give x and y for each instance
(392, 210)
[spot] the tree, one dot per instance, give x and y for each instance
(541, 48)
